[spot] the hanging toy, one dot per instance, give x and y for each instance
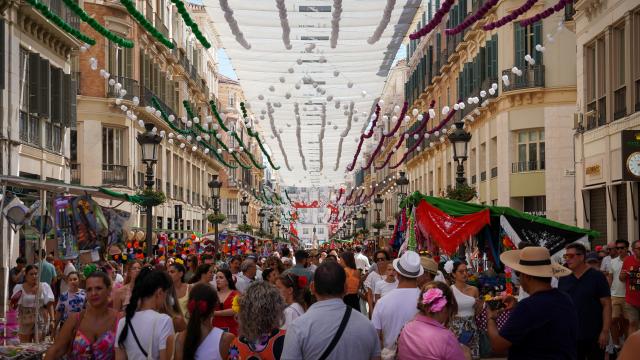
(509, 284)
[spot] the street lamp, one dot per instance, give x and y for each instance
(378, 201)
(261, 215)
(149, 141)
(270, 222)
(364, 213)
(402, 183)
(215, 186)
(348, 228)
(244, 205)
(460, 139)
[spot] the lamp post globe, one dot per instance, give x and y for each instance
(460, 139)
(149, 141)
(402, 183)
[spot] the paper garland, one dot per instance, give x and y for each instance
(511, 16)
(296, 111)
(435, 21)
(272, 122)
(384, 22)
(284, 23)
(546, 13)
(73, 6)
(233, 24)
(131, 8)
(44, 10)
(335, 23)
(364, 136)
(249, 131)
(190, 23)
(473, 18)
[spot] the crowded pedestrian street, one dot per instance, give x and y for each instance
(320, 179)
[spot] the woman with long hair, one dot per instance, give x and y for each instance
(144, 332)
(204, 274)
(427, 336)
(71, 301)
(191, 268)
(224, 316)
(172, 308)
(91, 332)
(352, 284)
(260, 318)
(177, 274)
(122, 295)
(463, 324)
(296, 295)
(202, 340)
(33, 312)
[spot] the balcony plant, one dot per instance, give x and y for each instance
(462, 192)
(151, 197)
(216, 218)
(378, 225)
(245, 228)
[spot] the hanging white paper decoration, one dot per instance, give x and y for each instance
(492, 91)
(281, 79)
(182, 145)
(445, 110)
(141, 123)
(118, 101)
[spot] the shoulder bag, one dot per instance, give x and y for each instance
(338, 335)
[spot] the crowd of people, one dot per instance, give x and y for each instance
(337, 304)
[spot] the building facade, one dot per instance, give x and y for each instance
(520, 154)
(608, 118)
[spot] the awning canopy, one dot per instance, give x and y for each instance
(312, 73)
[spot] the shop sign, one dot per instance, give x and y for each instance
(593, 170)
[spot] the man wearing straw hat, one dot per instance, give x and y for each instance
(544, 325)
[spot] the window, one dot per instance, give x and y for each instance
(321, 231)
(531, 151)
(535, 205)
(305, 231)
(112, 146)
(595, 81)
(120, 61)
(53, 137)
(618, 72)
(635, 40)
(525, 41)
(231, 100)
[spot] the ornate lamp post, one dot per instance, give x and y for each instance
(270, 221)
(378, 201)
(244, 205)
(364, 212)
(215, 186)
(402, 183)
(348, 228)
(355, 222)
(460, 139)
(261, 215)
(149, 141)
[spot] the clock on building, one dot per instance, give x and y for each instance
(633, 163)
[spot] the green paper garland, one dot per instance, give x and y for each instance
(214, 110)
(96, 25)
(44, 10)
(287, 195)
(131, 8)
(215, 152)
(190, 23)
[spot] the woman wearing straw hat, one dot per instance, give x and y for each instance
(544, 325)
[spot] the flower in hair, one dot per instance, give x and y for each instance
(434, 298)
(178, 261)
(448, 266)
(302, 282)
(201, 305)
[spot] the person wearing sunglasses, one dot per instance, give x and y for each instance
(589, 290)
(381, 258)
(618, 324)
(611, 252)
(630, 275)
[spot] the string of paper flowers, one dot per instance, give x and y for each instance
(323, 117)
(296, 110)
(335, 23)
(233, 24)
(276, 134)
(284, 23)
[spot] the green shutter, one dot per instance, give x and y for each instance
(429, 10)
(72, 105)
(519, 45)
(56, 94)
(493, 58)
(44, 89)
(128, 62)
(537, 39)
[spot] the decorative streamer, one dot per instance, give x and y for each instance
(546, 13)
(44, 10)
(131, 8)
(435, 21)
(284, 23)
(384, 22)
(270, 112)
(512, 16)
(73, 6)
(335, 168)
(484, 9)
(364, 136)
(296, 110)
(335, 22)
(249, 131)
(349, 118)
(233, 24)
(190, 23)
(321, 135)
(286, 193)
(340, 192)
(390, 134)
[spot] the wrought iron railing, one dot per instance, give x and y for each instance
(113, 174)
(75, 173)
(130, 85)
(524, 166)
(532, 76)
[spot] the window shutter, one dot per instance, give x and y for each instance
(34, 66)
(111, 59)
(45, 88)
(65, 99)
(128, 62)
(493, 58)
(429, 10)
(537, 39)
(73, 109)
(142, 63)
(56, 94)
(482, 64)
(519, 44)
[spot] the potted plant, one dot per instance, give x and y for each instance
(151, 197)
(378, 225)
(462, 192)
(245, 228)
(216, 218)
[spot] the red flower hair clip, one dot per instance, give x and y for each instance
(302, 282)
(202, 306)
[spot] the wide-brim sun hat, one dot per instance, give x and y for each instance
(429, 265)
(408, 265)
(534, 261)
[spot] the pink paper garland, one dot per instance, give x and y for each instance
(437, 19)
(545, 13)
(511, 17)
(381, 142)
(470, 20)
(364, 136)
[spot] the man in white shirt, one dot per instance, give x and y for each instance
(605, 266)
(362, 262)
(389, 283)
(398, 307)
(247, 276)
(618, 291)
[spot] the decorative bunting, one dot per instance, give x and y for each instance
(76, 9)
(131, 8)
(190, 23)
(44, 10)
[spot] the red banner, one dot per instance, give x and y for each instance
(303, 205)
(448, 231)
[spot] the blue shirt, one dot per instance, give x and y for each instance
(586, 293)
(301, 271)
(310, 334)
(542, 326)
(70, 303)
(47, 272)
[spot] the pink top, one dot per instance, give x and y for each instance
(426, 339)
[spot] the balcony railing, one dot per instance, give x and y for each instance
(620, 103)
(57, 7)
(232, 219)
(532, 76)
(525, 166)
(569, 11)
(148, 14)
(597, 110)
(75, 173)
(131, 85)
(145, 100)
(113, 174)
